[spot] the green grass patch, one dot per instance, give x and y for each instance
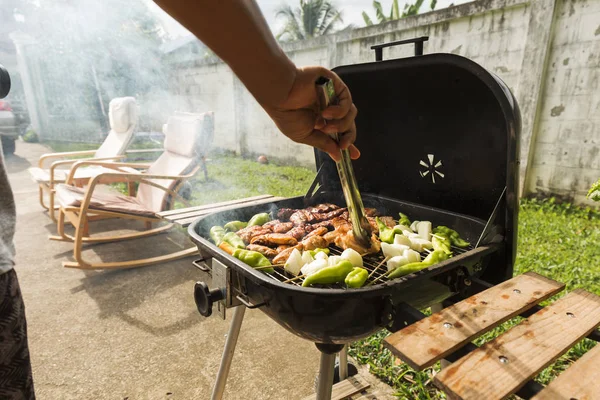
(232, 178)
(560, 241)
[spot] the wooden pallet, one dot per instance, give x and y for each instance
(185, 216)
(507, 363)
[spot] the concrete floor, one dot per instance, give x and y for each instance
(136, 334)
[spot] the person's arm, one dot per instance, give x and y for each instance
(238, 33)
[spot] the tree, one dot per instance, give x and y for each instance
(311, 19)
(412, 9)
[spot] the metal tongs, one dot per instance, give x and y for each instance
(360, 225)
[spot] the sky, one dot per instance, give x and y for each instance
(351, 12)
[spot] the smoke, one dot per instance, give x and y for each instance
(79, 54)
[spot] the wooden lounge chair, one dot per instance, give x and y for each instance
(122, 115)
(157, 191)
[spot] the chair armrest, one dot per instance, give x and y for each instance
(56, 164)
(99, 162)
(131, 177)
(137, 151)
(49, 156)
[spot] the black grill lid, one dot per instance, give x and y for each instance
(438, 130)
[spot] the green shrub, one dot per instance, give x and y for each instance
(30, 136)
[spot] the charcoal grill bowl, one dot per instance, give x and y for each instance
(338, 316)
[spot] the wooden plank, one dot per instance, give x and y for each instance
(346, 388)
(502, 366)
(217, 208)
(425, 342)
(188, 220)
(581, 381)
(163, 214)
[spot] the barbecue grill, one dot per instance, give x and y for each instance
(439, 141)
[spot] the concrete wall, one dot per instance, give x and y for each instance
(547, 51)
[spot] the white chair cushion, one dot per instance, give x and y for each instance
(188, 134)
(123, 121)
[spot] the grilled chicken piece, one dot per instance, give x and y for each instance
(274, 239)
(283, 227)
(271, 224)
(284, 213)
(327, 224)
(320, 231)
(330, 215)
(390, 222)
(282, 257)
(248, 233)
(371, 212)
(322, 208)
(343, 237)
(373, 224)
(298, 232)
(302, 217)
(268, 252)
(281, 248)
(314, 242)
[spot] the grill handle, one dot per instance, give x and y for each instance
(205, 297)
(417, 41)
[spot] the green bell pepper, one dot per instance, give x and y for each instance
(404, 220)
(259, 219)
(387, 234)
(253, 259)
(452, 235)
(216, 234)
(234, 226)
(441, 242)
(334, 274)
(434, 257)
(314, 252)
(234, 240)
(356, 278)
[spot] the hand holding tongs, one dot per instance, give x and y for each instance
(360, 225)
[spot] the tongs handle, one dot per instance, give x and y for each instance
(360, 225)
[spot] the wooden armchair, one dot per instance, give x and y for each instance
(156, 192)
(123, 122)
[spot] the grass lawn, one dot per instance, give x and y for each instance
(559, 241)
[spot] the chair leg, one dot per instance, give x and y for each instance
(51, 209)
(41, 192)
(60, 228)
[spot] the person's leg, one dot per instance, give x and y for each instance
(16, 382)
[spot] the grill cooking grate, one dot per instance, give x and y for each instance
(375, 264)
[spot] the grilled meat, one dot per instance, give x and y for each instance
(314, 242)
(371, 212)
(283, 227)
(271, 224)
(327, 224)
(322, 208)
(282, 257)
(248, 233)
(329, 215)
(320, 231)
(389, 221)
(281, 248)
(298, 232)
(343, 237)
(268, 252)
(284, 214)
(302, 217)
(274, 239)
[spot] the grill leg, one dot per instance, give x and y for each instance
(232, 337)
(437, 308)
(325, 382)
(344, 363)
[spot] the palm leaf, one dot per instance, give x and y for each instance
(291, 28)
(367, 19)
(336, 18)
(395, 14)
(379, 12)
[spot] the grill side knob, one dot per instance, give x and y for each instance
(205, 297)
